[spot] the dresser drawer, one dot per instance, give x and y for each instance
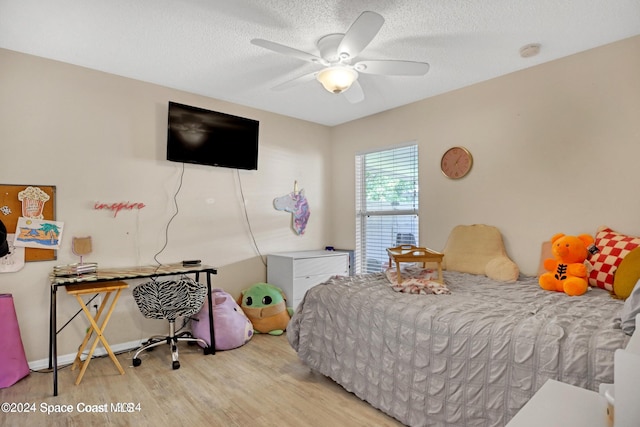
(303, 284)
(322, 265)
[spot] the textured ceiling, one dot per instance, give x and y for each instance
(203, 46)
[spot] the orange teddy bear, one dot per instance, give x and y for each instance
(567, 272)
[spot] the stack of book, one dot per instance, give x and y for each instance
(75, 269)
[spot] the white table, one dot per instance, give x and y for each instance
(560, 404)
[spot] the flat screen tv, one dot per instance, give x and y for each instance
(205, 137)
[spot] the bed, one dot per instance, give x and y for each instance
(472, 357)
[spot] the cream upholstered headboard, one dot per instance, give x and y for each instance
(479, 249)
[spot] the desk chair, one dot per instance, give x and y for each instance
(91, 288)
(169, 300)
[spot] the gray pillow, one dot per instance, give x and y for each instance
(629, 311)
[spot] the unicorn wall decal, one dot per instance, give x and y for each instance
(295, 203)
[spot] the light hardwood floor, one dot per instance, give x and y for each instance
(262, 383)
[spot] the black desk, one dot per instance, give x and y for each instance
(118, 274)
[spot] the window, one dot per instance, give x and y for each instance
(386, 204)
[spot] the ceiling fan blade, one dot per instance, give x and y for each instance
(295, 82)
(354, 94)
(289, 51)
(360, 34)
(392, 68)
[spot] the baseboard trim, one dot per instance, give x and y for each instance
(68, 359)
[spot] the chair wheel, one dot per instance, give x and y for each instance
(137, 362)
(176, 364)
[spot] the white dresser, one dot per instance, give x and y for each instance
(296, 272)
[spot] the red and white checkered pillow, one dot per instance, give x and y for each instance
(613, 247)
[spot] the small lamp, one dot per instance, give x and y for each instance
(81, 246)
(337, 79)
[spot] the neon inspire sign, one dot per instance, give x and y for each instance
(117, 207)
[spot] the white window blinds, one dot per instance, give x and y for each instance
(386, 204)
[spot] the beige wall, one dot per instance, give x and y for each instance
(99, 137)
(556, 149)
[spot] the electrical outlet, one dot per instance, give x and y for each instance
(96, 302)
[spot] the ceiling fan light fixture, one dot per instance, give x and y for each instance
(337, 79)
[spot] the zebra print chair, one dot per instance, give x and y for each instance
(169, 300)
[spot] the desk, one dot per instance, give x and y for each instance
(410, 253)
(113, 275)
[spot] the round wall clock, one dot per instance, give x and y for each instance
(456, 162)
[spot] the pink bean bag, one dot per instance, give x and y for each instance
(231, 326)
(13, 363)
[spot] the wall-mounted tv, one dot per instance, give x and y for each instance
(205, 137)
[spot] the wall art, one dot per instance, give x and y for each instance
(295, 203)
(30, 201)
(38, 233)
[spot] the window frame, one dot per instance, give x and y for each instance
(365, 212)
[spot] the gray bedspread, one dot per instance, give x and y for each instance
(471, 358)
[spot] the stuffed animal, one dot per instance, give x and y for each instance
(567, 272)
(231, 326)
(265, 306)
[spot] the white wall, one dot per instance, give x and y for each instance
(555, 149)
(101, 138)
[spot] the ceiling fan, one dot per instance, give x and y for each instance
(337, 53)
